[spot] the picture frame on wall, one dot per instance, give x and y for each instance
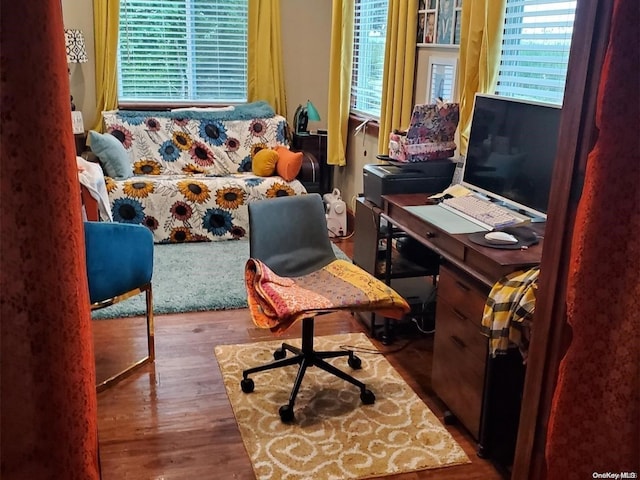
(430, 28)
(441, 79)
(446, 19)
(457, 27)
(439, 23)
(421, 28)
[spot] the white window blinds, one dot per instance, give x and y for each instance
(535, 49)
(370, 30)
(176, 51)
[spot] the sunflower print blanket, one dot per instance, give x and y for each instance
(277, 302)
(192, 170)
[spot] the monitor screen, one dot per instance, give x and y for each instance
(512, 150)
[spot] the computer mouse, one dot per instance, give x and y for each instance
(500, 238)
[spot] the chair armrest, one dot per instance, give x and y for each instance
(119, 258)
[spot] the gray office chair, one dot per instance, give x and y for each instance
(289, 236)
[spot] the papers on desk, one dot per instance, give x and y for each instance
(456, 190)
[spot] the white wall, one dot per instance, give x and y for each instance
(78, 14)
(306, 41)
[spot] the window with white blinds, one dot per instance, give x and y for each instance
(370, 31)
(173, 51)
(535, 49)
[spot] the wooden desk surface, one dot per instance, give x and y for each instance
(484, 263)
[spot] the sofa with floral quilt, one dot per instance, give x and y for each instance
(187, 174)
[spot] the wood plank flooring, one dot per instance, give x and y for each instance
(173, 420)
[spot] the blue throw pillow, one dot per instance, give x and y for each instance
(113, 156)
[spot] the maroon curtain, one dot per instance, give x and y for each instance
(594, 423)
(48, 398)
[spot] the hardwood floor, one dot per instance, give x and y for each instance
(172, 419)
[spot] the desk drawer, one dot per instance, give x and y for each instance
(443, 241)
(463, 293)
(457, 375)
(464, 333)
(431, 235)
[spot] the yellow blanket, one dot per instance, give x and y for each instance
(277, 302)
(509, 310)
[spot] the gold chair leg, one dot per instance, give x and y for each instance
(151, 350)
(151, 343)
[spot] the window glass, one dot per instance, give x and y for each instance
(183, 51)
(370, 31)
(535, 49)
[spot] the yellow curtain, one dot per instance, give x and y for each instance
(480, 45)
(265, 73)
(106, 14)
(340, 64)
(399, 69)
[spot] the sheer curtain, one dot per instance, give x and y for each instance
(265, 77)
(399, 69)
(340, 80)
(106, 14)
(480, 47)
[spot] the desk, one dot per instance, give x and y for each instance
(481, 392)
(487, 265)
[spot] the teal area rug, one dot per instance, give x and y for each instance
(191, 277)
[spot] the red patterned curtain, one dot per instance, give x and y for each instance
(594, 424)
(48, 398)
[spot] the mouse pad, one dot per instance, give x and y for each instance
(526, 237)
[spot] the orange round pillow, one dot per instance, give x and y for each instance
(289, 163)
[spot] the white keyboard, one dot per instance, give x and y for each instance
(483, 212)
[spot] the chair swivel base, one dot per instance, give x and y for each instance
(307, 357)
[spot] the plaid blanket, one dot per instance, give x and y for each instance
(277, 302)
(509, 310)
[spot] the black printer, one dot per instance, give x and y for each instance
(432, 176)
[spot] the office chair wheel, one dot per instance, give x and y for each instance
(367, 397)
(354, 362)
(279, 354)
(247, 385)
(286, 413)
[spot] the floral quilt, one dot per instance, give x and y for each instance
(192, 170)
(277, 302)
(195, 208)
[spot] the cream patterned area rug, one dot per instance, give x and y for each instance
(334, 436)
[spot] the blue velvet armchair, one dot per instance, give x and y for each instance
(119, 266)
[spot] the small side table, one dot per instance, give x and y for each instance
(316, 144)
(81, 142)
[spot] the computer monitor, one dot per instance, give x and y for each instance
(512, 150)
